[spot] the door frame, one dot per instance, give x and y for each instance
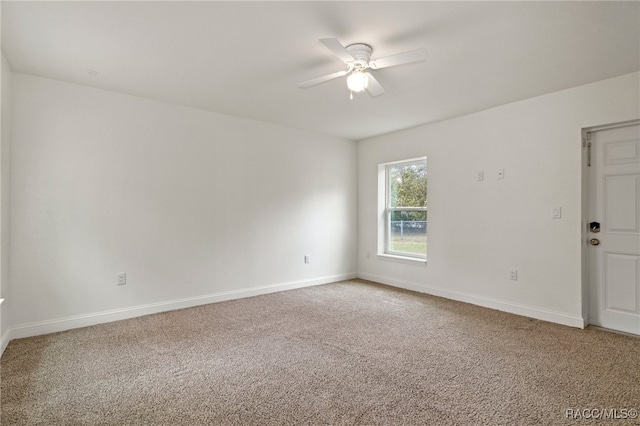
(584, 234)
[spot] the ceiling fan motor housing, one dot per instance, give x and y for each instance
(361, 53)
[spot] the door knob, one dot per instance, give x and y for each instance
(594, 241)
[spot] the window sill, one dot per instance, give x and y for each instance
(402, 259)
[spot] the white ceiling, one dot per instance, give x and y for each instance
(247, 58)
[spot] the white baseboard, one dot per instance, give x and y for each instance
(4, 341)
(62, 324)
(500, 305)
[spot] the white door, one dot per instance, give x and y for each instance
(614, 203)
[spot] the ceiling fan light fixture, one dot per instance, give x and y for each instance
(357, 57)
(357, 81)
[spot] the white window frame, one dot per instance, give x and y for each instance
(384, 215)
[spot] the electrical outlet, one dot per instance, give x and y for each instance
(513, 274)
(556, 213)
(500, 174)
(307, 259)
(122, 278)
(480, 175)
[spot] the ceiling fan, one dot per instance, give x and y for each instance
(357, 57)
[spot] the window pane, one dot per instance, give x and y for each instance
(405, 208)
(408, 232)
(408, 185)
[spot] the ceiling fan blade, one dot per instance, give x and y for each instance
(374, 88)
(322, 79)
(417, 55)
(337, 49)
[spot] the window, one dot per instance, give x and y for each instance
(404, 212)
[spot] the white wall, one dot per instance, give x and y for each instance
(5, 167)
(198, 207)
(190, 204)
(478, 231)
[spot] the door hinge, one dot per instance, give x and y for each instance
(588, 145)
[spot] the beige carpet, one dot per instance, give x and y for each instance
(349, 353)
